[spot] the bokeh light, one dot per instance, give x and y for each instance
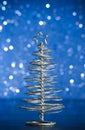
(64, 22)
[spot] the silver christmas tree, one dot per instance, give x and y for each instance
(41, 95)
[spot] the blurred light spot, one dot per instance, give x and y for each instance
(3, 8)
(71, 81)
(74, 13)
(80, 17)
(31, 29)
(28, 22)
(70, 51)
(23, 72)
(48, 5)
(11, 77)
(61, 71)
(11, 21)
(70, 72)
(41, 23)
(18, 12)
(79, 48)
(84, 65)
(17, 91)
(82, 75)
(81, 57)
(81, 85)
(8, 40)
(5, 49)
(5, 23)
(4, 2)
(1, 17)
(66, 89)
(76, 23)
(58, 18)
(5, 93)
(1, 27)
(32, 42)
(70, 66)
(5, 82)
(16, 23)
(66, 37)
(27, 5)
(27, 74)
(21, 65)
(38, 15)
(12, 89)
(15, 72)
(11, 47)
(28, 45)
(13, 64)
(80, 25)
(49, 17)
(82, 35)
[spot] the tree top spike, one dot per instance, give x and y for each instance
(38, 35)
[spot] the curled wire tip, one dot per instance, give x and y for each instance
(35, 38)
(40, 33)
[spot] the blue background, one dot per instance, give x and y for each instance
(64, 22)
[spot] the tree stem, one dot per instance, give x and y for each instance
(42, 87)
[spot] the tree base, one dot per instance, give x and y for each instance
(41, 123)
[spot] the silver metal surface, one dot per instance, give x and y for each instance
(42, 96)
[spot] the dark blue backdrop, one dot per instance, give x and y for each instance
(64, 22)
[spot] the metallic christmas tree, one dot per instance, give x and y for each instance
(41, 95)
